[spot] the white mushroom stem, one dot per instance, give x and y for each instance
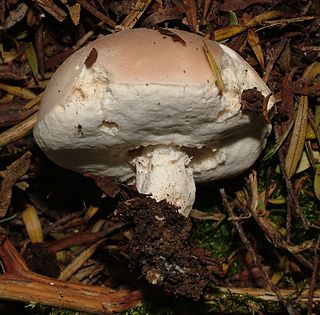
(163, 172)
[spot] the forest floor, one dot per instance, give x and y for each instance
(78, 242)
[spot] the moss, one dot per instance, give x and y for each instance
(39, 309)
(218, 239)
(168, 306)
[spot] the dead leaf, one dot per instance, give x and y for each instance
(16, 15)
(287, 102)
(316, 183)
(107, 185)
(32, 223)
(162, 15)
(297, 138)
(10, 176)
(214, 68)
(230, 31)
(32, 58)
(237, 5)
(50, 7)
(273, 57)
(294, 249)
(190, 7)
(97, 13)
(34, 101)
(285, 59)
(18, 91)
(285, 22)
(254, 42)
(227, 32)
(263, 17)
(136, 12)
(6, 98)
(74, 11)
(200, 215)
(78, 262)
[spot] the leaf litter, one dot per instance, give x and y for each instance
(271, 215)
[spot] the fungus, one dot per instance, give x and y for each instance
(151, 113)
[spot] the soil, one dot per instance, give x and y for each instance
(161, 247)
(252, 101)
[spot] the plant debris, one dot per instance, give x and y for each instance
(10, 176)
(264, 225)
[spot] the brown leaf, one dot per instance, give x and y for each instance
(254, 42)
(13, 72)
(298, 137)
(52, 9)
(228, 31)
(200, 215)
(263, 17)
(16, 15)
(136, 12)
(316, 183)
(10, 177)
(273, 57)
(74, 11)
(85, 4)
(107, 185)
(18, 91)
(162, 15)
(191, 13)
(285, 58)
(236, 5)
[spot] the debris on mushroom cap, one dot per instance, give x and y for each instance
(146, 97)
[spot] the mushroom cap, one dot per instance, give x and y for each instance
(146, 89)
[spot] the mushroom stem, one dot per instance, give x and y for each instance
(163, 172)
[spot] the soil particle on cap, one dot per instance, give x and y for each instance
(161, 248)
(252, 101)
(165, 32)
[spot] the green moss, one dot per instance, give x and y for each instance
(39, 309)
(218, 239)
(168, 306)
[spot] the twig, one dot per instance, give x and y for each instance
(266, 295)
(20, 284)
(97, 13)
(77, 263)
(313, 281)
(271, 233)
(250, 249)
(18, 131)
(133, 17)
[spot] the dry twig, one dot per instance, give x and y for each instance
(20, 284)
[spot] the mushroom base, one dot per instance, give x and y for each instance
(163, 172)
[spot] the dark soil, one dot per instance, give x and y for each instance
(252, 101)
(161, 247)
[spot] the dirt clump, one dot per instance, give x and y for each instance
(161, 247)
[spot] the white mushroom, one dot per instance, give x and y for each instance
(148, 111)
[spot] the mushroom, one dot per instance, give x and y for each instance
(143, 107)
